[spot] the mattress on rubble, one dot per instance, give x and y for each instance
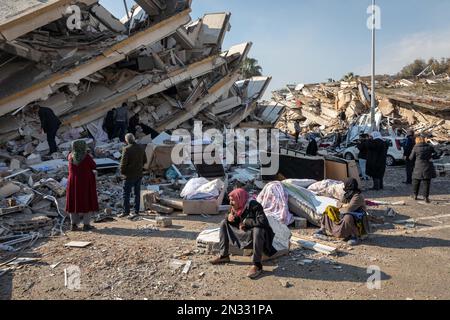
(305, 204)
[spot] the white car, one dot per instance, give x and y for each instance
(395, 151)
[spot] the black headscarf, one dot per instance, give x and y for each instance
(351, 188)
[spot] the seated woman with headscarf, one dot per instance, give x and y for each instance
(246, 225)
(350, 222)
(81, 195)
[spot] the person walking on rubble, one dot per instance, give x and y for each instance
(376, 159)
(407, 150)
(351, 222)
(298, 130)
(81, 195)
(121, 122)
(109, 124)
(132, 168)
(246, 225)
(424, 170)
(50, 124)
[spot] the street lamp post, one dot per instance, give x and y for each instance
(373, 96)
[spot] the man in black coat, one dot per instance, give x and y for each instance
(362, 156)
(49, 124)
(312, 148)
(376, 159)
(424, 170)
(407, 150)
(109, 124)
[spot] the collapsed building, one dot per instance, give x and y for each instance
(76, 58)
(422, 105)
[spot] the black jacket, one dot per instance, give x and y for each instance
(363, 150)
(49, 121)
(312, 148)
(132, 124)
(133, 161)
(408, 147)
(254, 217)
(423, 169)
(109, 122)
(376, 158)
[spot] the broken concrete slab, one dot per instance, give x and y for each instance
(78, 244)
(9, 189)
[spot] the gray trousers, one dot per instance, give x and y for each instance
(242, 239)
(75, 218)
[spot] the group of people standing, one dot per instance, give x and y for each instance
(372, 158)
(117, 124)
(81, 195)
(417, 153)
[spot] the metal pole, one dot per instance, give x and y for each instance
(126, 9)
(373, 96)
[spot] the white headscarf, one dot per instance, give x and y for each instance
(376, 135)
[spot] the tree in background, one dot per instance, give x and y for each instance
(349, 77)
(419, 65)
(250, 68)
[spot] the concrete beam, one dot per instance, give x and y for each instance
(192, 71)
(35, 18)
(118, 52)
(214, 94)
(241, 116)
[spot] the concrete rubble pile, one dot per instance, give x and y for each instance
(421, 104)
(168, 69)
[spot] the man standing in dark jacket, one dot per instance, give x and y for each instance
(312, 148)
(407, 150)
(49, 124)
(132, 167)
(424, 170)
(122, 122)
(376, 159)
(363, 153)
(109, 124)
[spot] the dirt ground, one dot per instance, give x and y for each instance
(130, 260)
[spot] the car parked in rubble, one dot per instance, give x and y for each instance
(395, 151)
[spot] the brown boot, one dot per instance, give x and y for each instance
(74, 228)
(220, 260)
(254, 272)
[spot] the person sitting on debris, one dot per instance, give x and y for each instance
(298, 130)
(50, 124)
(312, 148)
(132, 167)
(376, 159)
(363, 153)
(121, 122)
(407, 150)
(424, 170)
(246, 225)
(109, 124)
(81, 195)
(133, 123)
(350, 222)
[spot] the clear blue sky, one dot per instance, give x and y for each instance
(305, 41)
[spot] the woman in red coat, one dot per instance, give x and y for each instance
(81, 199)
